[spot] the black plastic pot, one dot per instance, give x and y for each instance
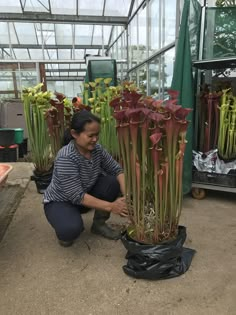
(155, 262)
(42, 180)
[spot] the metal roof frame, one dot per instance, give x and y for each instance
(49, 41)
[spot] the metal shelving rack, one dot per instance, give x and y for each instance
(199, 188)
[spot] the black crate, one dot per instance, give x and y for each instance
(23, 148)
(224, 180)
(7, 137)
(9, 154)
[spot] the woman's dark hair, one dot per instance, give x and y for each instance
(78, 122)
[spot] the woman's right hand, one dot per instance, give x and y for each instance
(119, 206)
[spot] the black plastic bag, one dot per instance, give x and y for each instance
(167, 260)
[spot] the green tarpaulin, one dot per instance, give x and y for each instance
(183, 77)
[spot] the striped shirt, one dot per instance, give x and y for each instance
(74, 175)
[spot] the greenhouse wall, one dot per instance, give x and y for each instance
(149, 45)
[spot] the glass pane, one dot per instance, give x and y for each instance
(26, 33)
(154, 78)
(107, 33)
(117, 8)
(142, 43)
(64, 53)
(125, 46)
(72, 73)
(136, 5)
(97, 34)
(133, 76)
(6, 85)
(4, 39)
(194, 28)
(83, 34)
(133, 43)
(13, 37)
(7, 53)
(63, 7)
(21, 53)
(48, 33)
(90, 7)
(93, 52)
(160, 74)
(55, 74)
(119, 48)
(6, 82)
(36, 53)
(168, 22)
(11, 6)
(28, 66)
(74, 66)
(212, 3)
(63, 34)
(49, 38)
(117, 31)
(79, 53)
(53, 66)
(168, 69)
(115, 51)
(36, 6)
(142, 78)
(63, 66)
(154, 26)
(28, 78)
(46, 26)
(50, 54)
(220, 33)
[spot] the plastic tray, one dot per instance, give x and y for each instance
(224, 180)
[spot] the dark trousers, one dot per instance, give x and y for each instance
(66, 218)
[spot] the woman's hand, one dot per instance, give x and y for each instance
(119, 207)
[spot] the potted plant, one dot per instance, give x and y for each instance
(152, 139)
(58, 118)
(101, 93)
(47, 117)
(35, 103)
(227, 126)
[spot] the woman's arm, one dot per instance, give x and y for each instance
(109, 165)
(121, 180)
(118, 206)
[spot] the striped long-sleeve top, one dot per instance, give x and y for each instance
(74, 175)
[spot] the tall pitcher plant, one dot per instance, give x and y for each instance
(227, 126)
(101, 93)
(152, 140)
(35, 103)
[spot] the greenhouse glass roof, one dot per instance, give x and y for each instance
(60, 29)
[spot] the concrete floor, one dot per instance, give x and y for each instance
(37, 276)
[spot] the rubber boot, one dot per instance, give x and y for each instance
(100, 227)
(65, 243)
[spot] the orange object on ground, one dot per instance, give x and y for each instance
(5, 169)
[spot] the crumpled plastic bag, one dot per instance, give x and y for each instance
(211, 163)
(155, 262)
(223, 167)
(205, 162)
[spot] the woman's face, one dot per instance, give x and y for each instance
(88, 138)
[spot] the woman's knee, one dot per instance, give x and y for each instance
(66, 220)
(107, 188)
(69, 232)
